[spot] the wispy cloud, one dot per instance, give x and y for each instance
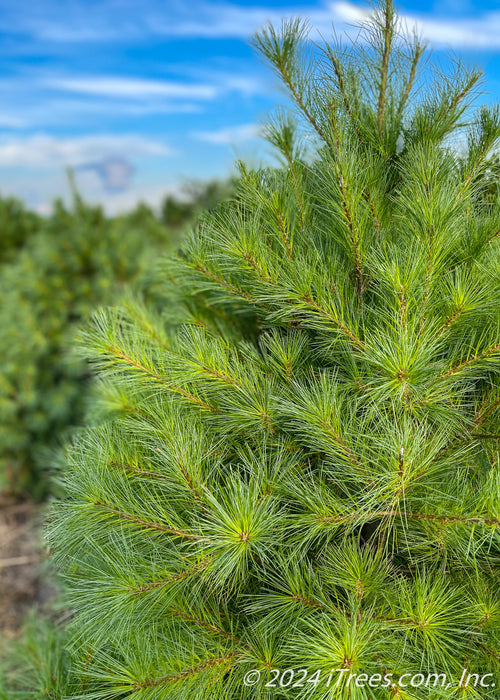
(132, 88)
(57, 110)
(41, 101)
(225, 20)
(218, 20)
(45, 151)
(118, 20)
(476, 32)
(12, 121)
(230, 135)
(88, 113)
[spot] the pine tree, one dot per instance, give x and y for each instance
(296, 465)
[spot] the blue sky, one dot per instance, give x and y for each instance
(142, 95)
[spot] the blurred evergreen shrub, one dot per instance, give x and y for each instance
(17, 224)
(195, 198)
(79, 259)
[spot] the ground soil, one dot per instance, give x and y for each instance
(21, 555)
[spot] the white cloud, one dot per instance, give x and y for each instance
(12, 121)
(132, 88)
(246, 85)
(229, 135)
(88, 112)
(43, 101)
(45, 151)
(469, 32)
(348, 12)
(119, 202)
(58, 110)
(225, 20)
(119, 20)
(216, 20)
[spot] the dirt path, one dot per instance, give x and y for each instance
(21, 553)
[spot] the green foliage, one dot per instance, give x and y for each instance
(17, 224)
(296, 464)
(78, 260)
(37, 665)
(197, 197)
